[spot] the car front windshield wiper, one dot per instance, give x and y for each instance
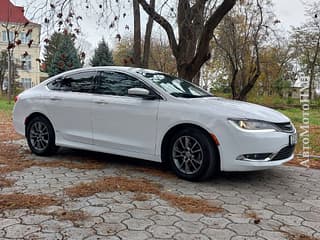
(187, 95)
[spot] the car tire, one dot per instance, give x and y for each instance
(192, 149)
(40, 136)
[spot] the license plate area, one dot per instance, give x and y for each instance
(293, 139)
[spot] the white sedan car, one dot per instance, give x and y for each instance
(151, 115)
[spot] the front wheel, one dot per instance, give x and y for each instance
(40, 136)
(193, 156)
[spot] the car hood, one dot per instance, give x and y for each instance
(238, 109)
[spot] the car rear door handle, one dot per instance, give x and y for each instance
(55, 99)
(100, 102)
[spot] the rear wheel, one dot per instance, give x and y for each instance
(40, 136)
(192, 155)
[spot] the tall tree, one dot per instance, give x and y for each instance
(102, 55)
(306, 40)
(161, 58)
(147, 38)
(190, 44)
(12, 34)
(3, 68)
(136, 34)
(51, 48)
(65, 58)
(196, 21)
(240, 38)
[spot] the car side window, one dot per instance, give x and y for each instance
(79, 82)
(113, 83)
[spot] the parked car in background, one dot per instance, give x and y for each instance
(151, 115)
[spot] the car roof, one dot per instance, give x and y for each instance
(120, 68)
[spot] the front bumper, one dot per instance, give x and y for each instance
(250, 151)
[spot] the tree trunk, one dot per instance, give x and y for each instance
(244, 92)
(312, 72)
(136, 34)
(311, 83)
(188, 68)
(147, 38)
(196, 79)
(233, 83)
(9, 75)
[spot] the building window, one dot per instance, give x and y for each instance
(4, 36)
(26, 83)
(26, 62)
(24, 38)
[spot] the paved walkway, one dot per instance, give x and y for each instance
(282, 203)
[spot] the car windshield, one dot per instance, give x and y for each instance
(175, 86)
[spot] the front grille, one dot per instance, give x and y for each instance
(284, 153)
(285, 127)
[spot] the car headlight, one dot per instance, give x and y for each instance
(254, 125)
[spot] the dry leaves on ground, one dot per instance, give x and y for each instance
(27, 201)
(190, 204)
(141, 186)
(13, 157)
(6, 182)
(7, 132)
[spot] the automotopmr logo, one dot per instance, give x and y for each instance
(305, 126)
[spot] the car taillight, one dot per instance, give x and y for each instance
(16, 98)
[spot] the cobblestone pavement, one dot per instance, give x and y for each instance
(282, 203)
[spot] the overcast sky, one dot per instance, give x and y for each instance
(289, 12)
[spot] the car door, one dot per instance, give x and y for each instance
(120, 121)
(69, 105)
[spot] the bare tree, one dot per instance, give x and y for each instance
(12, 37)
(147, 38)
(136, 33)
(240, 38)
(306, 40)
(196, 21)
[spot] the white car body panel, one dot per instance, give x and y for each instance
(135, 127)
(125, 123)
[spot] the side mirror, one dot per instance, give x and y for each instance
(141, 92)
(138, 92)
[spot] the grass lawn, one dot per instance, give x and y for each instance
(5, 106)
(295, 114)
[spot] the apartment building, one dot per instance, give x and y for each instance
(26, 53)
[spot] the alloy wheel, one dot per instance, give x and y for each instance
(187, 154)
(39, 135)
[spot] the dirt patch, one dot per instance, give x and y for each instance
(19, 200)
(141, 186)
(6, 182)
